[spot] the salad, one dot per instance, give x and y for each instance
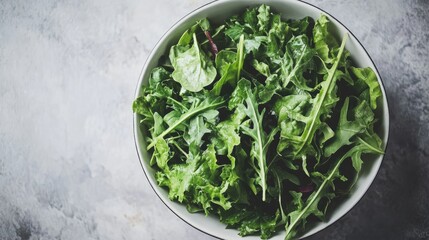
(261, 121)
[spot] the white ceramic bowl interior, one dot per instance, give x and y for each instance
(217, 12)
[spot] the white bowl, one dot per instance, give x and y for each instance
(218, 11)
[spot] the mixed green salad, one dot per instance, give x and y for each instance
(261, 121)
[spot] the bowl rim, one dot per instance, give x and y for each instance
(379, 78)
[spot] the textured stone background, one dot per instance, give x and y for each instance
(68, 167)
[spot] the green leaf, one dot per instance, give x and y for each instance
(250, 19)
(363, 118)
(140, 106)
(324, 41)
(158, 126)
(155, 95)
(197, 129)
(322, 103)
(267, 91)
(250, 222)
(187, 36)
(206, 189)
(229, 65)
(263, 17)
(326, 133)
(279, 30)
(289, 115)
(207, 104)
(260, 138)
(229, 135)
(286, 105)
(178, 179)
(297, 59)
(195, 179)
(204, 24)
(262, 68)
(368, 76)
(172, 117)
(311, 204)
(161, 153)
(239, 94)
(157, 75)
(252, 44)
(234, 32)
(299, 27)
(193, 69)
(345, 130)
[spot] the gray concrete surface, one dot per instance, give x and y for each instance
(68, 167)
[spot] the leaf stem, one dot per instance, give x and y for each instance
(213, 46)
(180, 149)
(370, 146)
(178, 103)
(240, 56)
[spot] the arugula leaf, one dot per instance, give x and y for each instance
(311, 204)
(197, 129)
(239, 94)
(347, 129)
(322, 103)
(207, 104)
(289, 113)
(267, 91)
(262, 68)
(193, 69)
(279, 29)
(261, 139)
(297, 59)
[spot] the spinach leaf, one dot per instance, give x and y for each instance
(193, 69)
